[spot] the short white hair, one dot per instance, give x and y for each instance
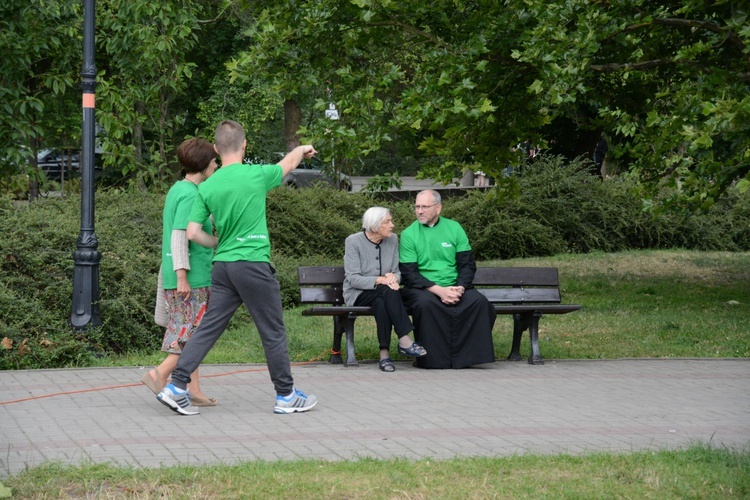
(374, 217)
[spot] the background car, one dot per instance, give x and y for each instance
(310, 172)
(54, 161)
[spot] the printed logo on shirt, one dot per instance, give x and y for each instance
(252, 237)
(446, 244)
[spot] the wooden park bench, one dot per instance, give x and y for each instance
(525, 292)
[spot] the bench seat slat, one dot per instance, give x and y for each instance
(521, 294)
(337, 310)
(545, 309)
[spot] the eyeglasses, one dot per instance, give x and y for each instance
(424, 207)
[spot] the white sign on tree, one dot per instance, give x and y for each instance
(332, 112)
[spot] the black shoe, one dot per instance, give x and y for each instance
(386, 365)
(415, 350)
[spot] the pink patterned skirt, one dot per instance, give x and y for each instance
(185, 314)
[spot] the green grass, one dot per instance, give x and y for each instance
(639, 304)
(698, 472)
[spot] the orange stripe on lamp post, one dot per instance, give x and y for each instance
(89, 100)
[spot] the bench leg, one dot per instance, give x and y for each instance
(536, 357)
(520, 324)
(338, 330)
(349, 329)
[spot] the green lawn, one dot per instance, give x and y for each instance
(699, 472)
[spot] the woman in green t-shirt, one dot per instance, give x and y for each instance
(185, 269)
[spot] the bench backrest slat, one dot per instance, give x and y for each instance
(323, 284)
(550, 295)
(322, 295)
(320, 275)
(485, 276)
(516, 276)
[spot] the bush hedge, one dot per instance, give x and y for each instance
(546, 209)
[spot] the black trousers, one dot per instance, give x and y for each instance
(455, 336)
(389, 311)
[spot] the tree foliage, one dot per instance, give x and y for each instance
(666, 81)
(393, 69)
(457, 84)
(37, 68)
(145, 68)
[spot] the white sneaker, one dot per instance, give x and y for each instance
(297, 402)
(177, 399)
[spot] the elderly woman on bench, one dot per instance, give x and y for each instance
(373, 278)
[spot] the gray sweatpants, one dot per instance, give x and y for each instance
(233, 284)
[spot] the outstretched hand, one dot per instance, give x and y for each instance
(308, 151)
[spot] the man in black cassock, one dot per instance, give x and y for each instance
(452, 319)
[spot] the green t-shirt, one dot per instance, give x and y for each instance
(177, 207)
(434, 249)
(236, 197)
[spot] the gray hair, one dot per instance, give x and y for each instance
(435, 195)
(373, 218)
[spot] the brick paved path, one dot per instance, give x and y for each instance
(106, 415)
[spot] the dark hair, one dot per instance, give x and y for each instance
(195, 154)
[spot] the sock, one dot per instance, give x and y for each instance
(289, 395)
(178, 389)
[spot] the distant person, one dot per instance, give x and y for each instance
(452, 319)
(600, 151)
(242, 274)
(185, 271)
(373, 278)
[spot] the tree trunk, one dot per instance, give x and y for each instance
(292, 123)
(163, 136)
(140, 110)
(34, 177)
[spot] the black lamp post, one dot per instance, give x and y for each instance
(85, 310)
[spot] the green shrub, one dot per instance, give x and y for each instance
(548, 208)
(498, 228)
(551, 207)
(310, 222)
(37, 274)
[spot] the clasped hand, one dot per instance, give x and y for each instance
(389, 280)
(448, 294)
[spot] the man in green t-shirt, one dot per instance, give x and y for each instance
(452, 319)
(242, 271)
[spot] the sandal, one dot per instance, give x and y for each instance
(199, 401)
(415, 350)
(155, 385)
(386, 365)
